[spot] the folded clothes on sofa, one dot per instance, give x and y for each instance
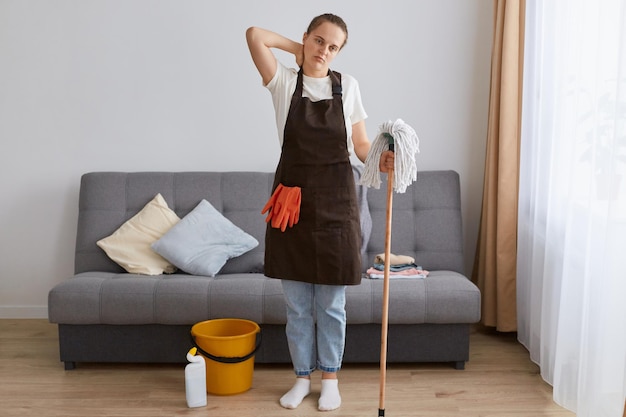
(374, 273)
(394, 259)
(397, 268)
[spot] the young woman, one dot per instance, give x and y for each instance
(321, 121)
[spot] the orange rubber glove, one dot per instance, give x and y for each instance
(271, 203)
(294, 216)
(284, 207)
(289, 208)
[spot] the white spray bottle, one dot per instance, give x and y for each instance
(195, 379)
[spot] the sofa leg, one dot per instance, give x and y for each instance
(69, 365)
(459, 365)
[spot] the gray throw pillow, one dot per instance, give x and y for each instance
(202, 242)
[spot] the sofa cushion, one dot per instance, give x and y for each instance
(442, 297)
(129, 245)
(120, 298)
(202, 242)
(110, 298)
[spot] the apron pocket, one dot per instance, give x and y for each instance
(328, 248)
(333, 207)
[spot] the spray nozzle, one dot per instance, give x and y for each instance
(191, 355)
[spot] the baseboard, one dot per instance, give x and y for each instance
(23, 312)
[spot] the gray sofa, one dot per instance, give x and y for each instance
(107, 315)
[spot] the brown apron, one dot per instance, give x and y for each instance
(324, 246)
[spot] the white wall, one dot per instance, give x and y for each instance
(169, 85)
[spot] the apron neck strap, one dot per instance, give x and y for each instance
(335, 78)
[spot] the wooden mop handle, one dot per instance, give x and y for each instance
(385, 315)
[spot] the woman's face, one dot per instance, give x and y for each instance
(321, 46)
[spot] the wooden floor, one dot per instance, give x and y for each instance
(499, 381)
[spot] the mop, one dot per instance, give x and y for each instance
(401, 139)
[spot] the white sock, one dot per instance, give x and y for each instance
(296, 394)
(329, 398)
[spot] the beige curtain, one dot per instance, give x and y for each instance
(495, 263)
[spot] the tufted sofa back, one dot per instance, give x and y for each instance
(426, 219)
(426, 222)
(108, 199)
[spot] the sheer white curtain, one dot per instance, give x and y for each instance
(571, 265)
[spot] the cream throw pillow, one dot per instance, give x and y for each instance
(129, 246)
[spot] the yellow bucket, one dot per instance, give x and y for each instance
(228, 346)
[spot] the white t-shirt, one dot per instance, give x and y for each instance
(283, 85)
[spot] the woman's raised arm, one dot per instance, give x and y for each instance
(260, 41)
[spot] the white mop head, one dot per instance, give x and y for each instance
(406, 144)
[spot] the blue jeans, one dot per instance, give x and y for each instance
(306, 305)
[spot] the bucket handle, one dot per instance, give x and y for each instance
(223, 359)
